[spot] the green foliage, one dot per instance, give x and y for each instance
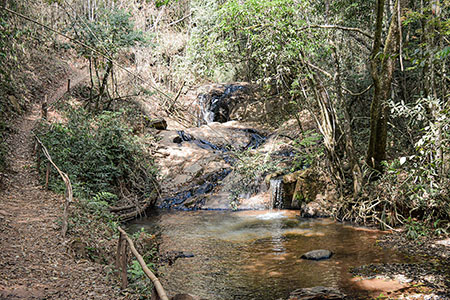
(101, 156)
(309, 150)
(93, 227)
(110, 32)
(415, 229)
(250, 40)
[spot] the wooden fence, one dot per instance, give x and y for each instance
(121, 263)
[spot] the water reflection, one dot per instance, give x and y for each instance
(256, 254)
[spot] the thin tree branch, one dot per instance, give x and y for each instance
(338, 27)
(323, 26)
(180, 20)
(360, 93)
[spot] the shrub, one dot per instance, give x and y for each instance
(100, 155)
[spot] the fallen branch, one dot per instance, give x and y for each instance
(68, 193)
(176, 97)
(117, 209)
(180, 20)
(132, 215)
(150, 275)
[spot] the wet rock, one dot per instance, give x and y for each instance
(217, 102)
(317, 254)
(302, 186)
(172, 256)
(177, 140)
(159, 124)
(317, 293)
(313, 210)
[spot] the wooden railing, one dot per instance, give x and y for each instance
(121, 263)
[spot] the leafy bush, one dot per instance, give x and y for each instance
(309, 150)
(100, 155)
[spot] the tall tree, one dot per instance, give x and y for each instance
(382, 67)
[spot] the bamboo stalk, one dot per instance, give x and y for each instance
(162, 294)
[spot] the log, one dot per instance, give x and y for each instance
(162, 294)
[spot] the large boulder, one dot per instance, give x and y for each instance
(302, 186)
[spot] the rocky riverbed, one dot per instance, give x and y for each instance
(428, 278)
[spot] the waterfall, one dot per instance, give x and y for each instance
(276, 193)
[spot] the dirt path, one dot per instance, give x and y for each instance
(34, 263)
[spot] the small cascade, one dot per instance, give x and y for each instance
(217, 106)
(276, 193)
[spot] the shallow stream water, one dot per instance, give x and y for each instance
(256, 254)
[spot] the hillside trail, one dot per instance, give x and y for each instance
(34, 261)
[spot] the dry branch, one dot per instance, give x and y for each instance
(68, 193)
(153, 278)
(338, 27)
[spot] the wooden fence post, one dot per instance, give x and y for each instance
(159, 288)
(47, 175)
(44, 108)
(119, 254)
(124, 266)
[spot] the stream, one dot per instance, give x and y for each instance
(256, 254)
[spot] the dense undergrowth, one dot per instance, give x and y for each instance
(101, 155)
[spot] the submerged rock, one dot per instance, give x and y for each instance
(317, 293)
(317, 254)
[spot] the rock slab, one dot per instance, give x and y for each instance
(317, 254)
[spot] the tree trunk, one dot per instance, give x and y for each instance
(382, 70)
(103, 86)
